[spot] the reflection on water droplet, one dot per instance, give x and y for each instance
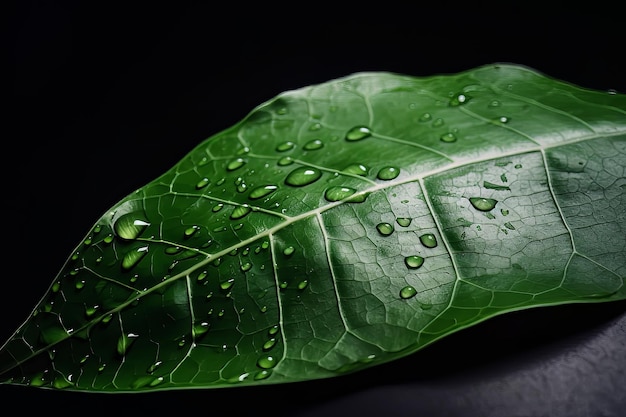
(132, 258)
(313, 145)
(403, 221)
(459, 99)
(235, 164)
(388, 173)
(263, 191)
(302, 176)
(285, 146)
(240, 212)
(129, 226)
(504, 212)
(202, 183)
(413, 261)
(483, 204)
(384, 229)
(338, 193)
(358, 133)
(448, 137)
(429, 240)
(267, 362)
(356, 169)
(408, 292)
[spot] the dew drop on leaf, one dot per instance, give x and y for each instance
(132, 257)
(240, 212)
(358, 133)
(338, 193)
(303, 176)
(267, 362)
(313, 145)
(263, 191)
(285, 146)
(448, 137)
(408, 292)
(426, 117)
(413, 261)
(269, 344)
(384, 229)
(356, 169)
(483, 204)
(403, 221)
(388, 173)
(202, 183)
(235, 164)
(289, 250)
(429, 240)
(129, 226)
(287, 160)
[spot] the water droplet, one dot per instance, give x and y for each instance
(285, 146)
(217, 207)
(448, 137)
(190, 231)
(246, 266)
(384, 229)
(200, 328)
(408, 292)
(262, 191)
(129, 226)
(358, 133)
(124, 342)
(226, 285)
(313, 145)
(504, 212)
(503, 178)
(303, 176)
(403, 221)
(108, 238)
(438, 122)
(202, 275)
(518, 166)
(235, 164)
(303, 284)
(338, 193)
(315, 126)
(493, 186)
(426, 117)
(356, 169)
(202, 183)
(289, 250)
(262, 374)
(459, 99)
(388, 173)
(132, 258)
(267, 362)
(287, 160)
(269, 344)
(413, 261)
(494, 103)
(429, 240)
(509, 226)
(240, 212)
(483, 204)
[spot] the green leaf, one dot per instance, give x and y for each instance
(338, 227)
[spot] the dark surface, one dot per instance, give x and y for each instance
(106, 98)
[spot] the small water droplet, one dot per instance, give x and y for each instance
(384, 229)
(200, 328)
(269, 344)
(240, 212)
(426, 117)
(267, 362)
(388, 173)
(132, 257)
(313, 145)
(289, 250)
(124, 342)
(448, 137)
(129, 226)
(202, 183)
(428, 240)
(493, 186)
(235, 164)
(408, 292)
(494, 103)
(303, 176)
(459, 99)
(303, 284)
(262, 191)
(265, 373)
(518, 166)
(217, 207)
(226, 285)
(356, 169)
(504, 212)
(413, 261)
(285, 146)
(190, 231)
(403, 221)
(438, 122)
(246, 266)
(509, 226)
(358, 133)
(287, 160)
(483, 204)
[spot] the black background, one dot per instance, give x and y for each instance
(105, 97)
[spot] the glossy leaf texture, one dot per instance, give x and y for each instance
(338, 227)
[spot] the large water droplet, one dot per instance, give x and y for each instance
(262, 191)
(388, 173)
(202, 183)
(429, 240)
(129, 226)
(358, 133)
(403, 221)
(285, 146)
(303, 176)
(413, 261)
(483, 204)
(235, 164)
(408, 292)
(267, 362)
(384, 229)
(338, 193)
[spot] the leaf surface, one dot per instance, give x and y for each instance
(337, 227)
